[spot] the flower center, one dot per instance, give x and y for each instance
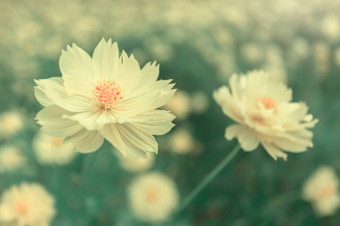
(56, 141)
(268, 103)
(107, 92)
(326, 191)
(152, 194)
(21, 207)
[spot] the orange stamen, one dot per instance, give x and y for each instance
(268, 103)
(21, 207)
(56, 141)
(152, 194)
(107, 93)
(326, 191)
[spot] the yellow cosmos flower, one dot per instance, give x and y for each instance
(264, 114)
(106, 96)
(26, 204)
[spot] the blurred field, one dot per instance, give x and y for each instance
(199, 44)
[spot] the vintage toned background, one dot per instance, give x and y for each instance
(199, 44)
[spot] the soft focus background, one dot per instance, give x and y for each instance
(199, 44)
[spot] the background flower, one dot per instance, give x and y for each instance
(11, 122)
(153, 197)
(322, 190)
(181, 141)
(11, 159)
(52, 150)
(26, 204)
(136, 165)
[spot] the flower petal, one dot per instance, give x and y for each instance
(246, 137)
(111, 133)
(86, 141)
(229, 106)
(41, 97)
(150, 72)
(56, 93)
(129, 72)
(75, 60)
(78, 84)
(274, 152)
(157, 122)
(138, 102)
(50, 118)
(105, 60)
(130, 140)
(87, 119)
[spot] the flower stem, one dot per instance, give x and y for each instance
(208, 178)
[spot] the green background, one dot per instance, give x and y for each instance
(198, 44)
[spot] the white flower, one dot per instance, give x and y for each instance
(181, 141)
(106, 96)
(11, 122)
(322, 190)
(52, 150)
(26, 204)
(153, 197)
(180, 104)
(136, 165)
(264, 114)
(11, 159)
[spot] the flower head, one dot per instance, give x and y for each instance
(11, 158)
(264, 114)
(181, 141)
(26, 204)
(180, 105)
(153, 197)
(106, 96)
(322, 190)
(136, 165)
(52, 150)
(11, 122)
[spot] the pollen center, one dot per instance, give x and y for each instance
(21, 207)
(56, 141)
(268, 103)
(326, 191)
(107, 92)
(152, 194)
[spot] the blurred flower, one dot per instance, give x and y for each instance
(52, 150)
(199, 102)
(11, 159)
(274, 65)
(181, 141)
(160, 49)
(180, 104)
(330, 26)
(136, 165)
(252, 52)
(265, 114)
(322, 57)
(153, 197)
(11, 122)
(301, 48)
(322, 190)
(337, 56)
(108, 96)
(26, 204)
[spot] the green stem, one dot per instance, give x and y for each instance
(208, 178)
